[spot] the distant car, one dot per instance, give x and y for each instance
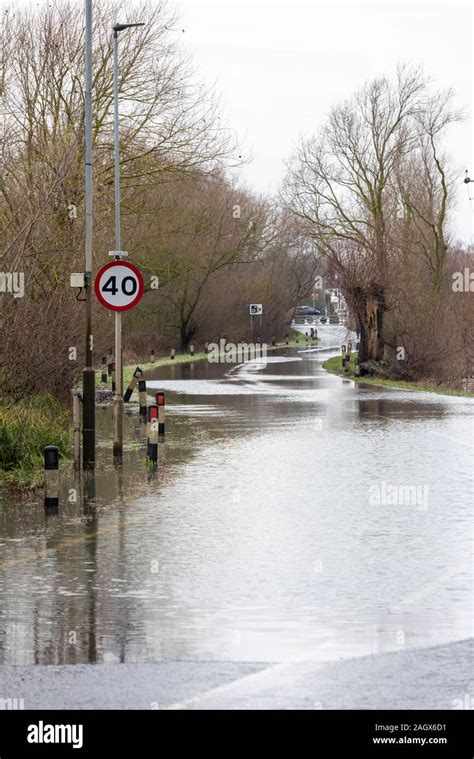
(306, 311)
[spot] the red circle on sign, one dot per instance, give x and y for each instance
(141, 285)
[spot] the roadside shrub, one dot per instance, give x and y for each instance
(26, 428)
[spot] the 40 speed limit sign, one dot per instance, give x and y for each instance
(119, 285)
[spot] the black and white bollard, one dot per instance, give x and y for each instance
(357, 367)
(273, 340)
(103, 369)
(152, 356)
(160, 402)
(142, 399)
(191, 349)
(206, 347)
(131, 385)
(51, 477)
(343, 352)
(172, 353)
(152, 443)
(286, 338)
(349, 348)
(113, 376)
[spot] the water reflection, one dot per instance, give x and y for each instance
(257, 537)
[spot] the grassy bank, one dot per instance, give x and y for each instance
(186, 358)
(26, 428)
(334, 366)
(180, 358)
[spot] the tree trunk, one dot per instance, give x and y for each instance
(185, 338)
(369, 306)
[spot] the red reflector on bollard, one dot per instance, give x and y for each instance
(160, 399)
(152, 412)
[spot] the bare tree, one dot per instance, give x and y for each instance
(204, 226)
(347, 184)
(170, 127)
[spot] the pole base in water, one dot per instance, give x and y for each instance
(51, 503)
(152, 452)
(117, 453)
(118, 427)
(88, 418)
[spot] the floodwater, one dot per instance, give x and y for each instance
(293, 515)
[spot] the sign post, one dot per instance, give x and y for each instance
(118, 253)
(256, 309)
(119, 286)
(88, 374)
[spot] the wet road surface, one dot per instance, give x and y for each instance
(294, 515)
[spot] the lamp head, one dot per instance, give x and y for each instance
(120, 27)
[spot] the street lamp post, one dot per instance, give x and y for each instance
(118, 254)
(88, 375)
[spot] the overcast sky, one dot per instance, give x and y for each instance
(279, 66)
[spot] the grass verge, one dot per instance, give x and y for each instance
(334, 366)
(26, 428)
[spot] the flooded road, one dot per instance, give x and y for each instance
(293, 515)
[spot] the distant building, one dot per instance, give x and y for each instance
(337, 302)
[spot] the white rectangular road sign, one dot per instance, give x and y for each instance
(256, 309)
